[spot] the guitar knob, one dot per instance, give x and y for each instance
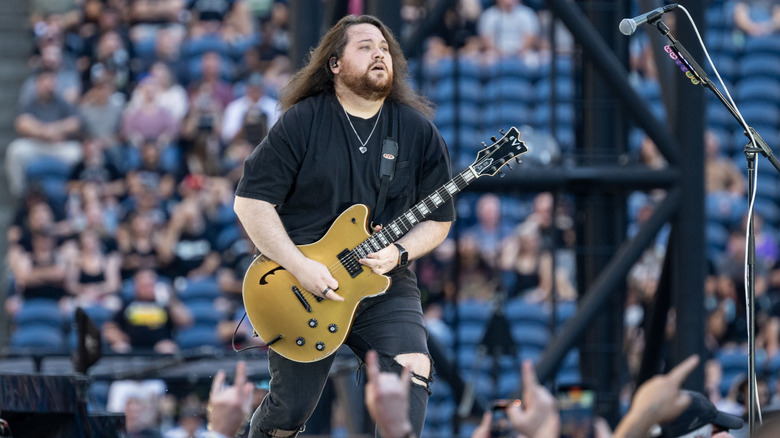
(333, 328)
(320, 346)
(300, 342)
(313, 323)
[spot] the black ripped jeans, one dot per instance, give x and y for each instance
(391, 324)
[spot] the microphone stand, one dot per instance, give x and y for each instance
(697, 75)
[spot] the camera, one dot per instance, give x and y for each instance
(576, 405)
(500, 426)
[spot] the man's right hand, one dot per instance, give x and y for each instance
(317, 279)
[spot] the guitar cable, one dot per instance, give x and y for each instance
(235, 332)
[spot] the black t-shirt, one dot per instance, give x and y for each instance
(145, 322)
(311, 168)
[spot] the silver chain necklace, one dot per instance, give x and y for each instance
(363, 144)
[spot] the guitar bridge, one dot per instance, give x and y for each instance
(350, 263)
(301, 298)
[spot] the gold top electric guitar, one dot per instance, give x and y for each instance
(305, 328)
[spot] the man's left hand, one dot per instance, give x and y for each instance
(382, 261)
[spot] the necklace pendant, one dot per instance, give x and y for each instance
(363, 149)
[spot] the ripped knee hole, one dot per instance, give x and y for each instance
(420, 365)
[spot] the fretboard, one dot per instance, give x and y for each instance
(402, 224)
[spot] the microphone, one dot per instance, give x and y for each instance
(629, 25)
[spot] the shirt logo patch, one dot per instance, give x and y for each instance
(389, 156)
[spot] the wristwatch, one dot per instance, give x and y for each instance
(403, 256)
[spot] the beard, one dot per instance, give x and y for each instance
(367, 87)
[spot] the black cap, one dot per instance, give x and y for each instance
(700, 412)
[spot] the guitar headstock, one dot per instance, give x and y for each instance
(491, 159)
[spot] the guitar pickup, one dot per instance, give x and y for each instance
(350, 263)
(301, 298)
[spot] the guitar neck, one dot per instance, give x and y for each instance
(402, 224)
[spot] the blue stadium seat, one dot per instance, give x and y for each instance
(768, 45)
(195, 47)
(505, 114)
(514, 89)
(470, 333)
(471, 311)
(759, 65)
(435, 71)
(717, 237)
(99, 314)
(227, 237)
(531, 339)
(197, 336)
(204, 313)
(47, 167)
(513, 66)
(734, 363)
(757, 89)
(200, 289)
(40, 312)
(521, 312)
(768, 209)
(564, 310)
(564, 89)
(564, 115)
(38, 337)
(466, 89)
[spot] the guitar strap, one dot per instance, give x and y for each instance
(389, 158)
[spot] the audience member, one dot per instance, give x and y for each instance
(659, 400)
(137, 239)
(209, 87)
(147, 322)
(147, 17)
(39, 273)
(67, 81)
(200, 136)
(167, 49)
(757, 17)
(93, 277)
(387, 398)
(721, 174)
(101, 109)
(476, 279)
(95, 169)
(145, 119)
(229, 406)
(46, 126)
(186, 248)
(530, 264)
(231, 19)
(536, 417)
(255, 105)
(170, 95)
(112, 55)
(509, 28)
(275, 39)
(491, 230)
(140, 401)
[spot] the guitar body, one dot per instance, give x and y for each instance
(310, 329)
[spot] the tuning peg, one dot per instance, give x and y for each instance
(518, 160)
(493, 139)
(508, 166)
(501, 174)
(501, 131)
(484, 146)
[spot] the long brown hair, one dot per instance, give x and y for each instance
(316, 77)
